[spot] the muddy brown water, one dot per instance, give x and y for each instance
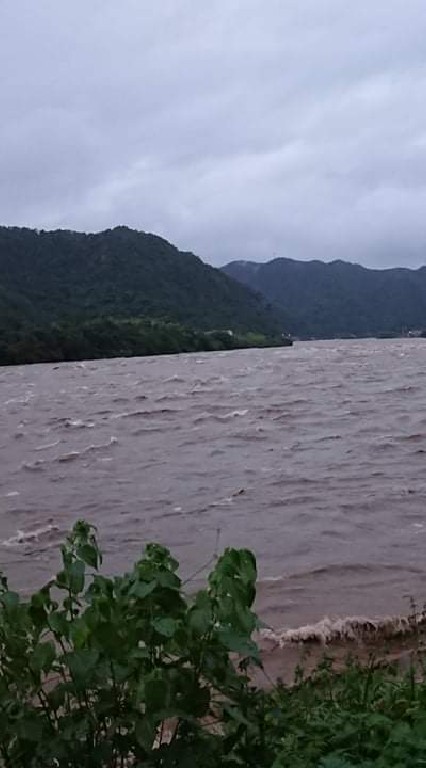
(313, 456)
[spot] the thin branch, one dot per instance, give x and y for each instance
(209, 562)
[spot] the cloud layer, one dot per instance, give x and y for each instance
(235, 128)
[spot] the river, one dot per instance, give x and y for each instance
(313, 456)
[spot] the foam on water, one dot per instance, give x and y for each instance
(69, 456)
(79, 424)
(218, 417)
(46, 447)
(174, 378)
(145, 413)
(31, 536)
(34, 465)
(72, 455)
(349, 628)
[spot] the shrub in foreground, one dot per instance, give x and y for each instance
(129, 671)
(96, 671)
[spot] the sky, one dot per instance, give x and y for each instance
(237, 129)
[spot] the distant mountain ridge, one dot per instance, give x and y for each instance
(338, 298)
(62, 275)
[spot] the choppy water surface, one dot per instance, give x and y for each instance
(315, 457)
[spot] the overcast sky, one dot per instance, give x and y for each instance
(235, 128)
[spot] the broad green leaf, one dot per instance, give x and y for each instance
(89, 554)
(76, 577)
(236, 643)
(56, 696)
(142, 589)
(79, 632)
(10, 599)
(43, 657)
(41, 598)
(82, 663)
(140, 654)
(59, 624)
(165, 627)
(200, 619)
(61, 580)
(169, 580)
(235, 713)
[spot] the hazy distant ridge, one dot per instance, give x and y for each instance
(338, 298)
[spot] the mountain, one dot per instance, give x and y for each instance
(65, 276)
(338, 298)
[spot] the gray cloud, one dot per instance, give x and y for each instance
(237, 128)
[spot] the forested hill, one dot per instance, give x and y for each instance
(68, 276)
(338, 298)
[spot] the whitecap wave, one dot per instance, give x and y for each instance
(27, 537)
(350, 628)
(146, 414)
(233, 415)
(77, 454)
(217, 417)
(49, 445)
(79, 424)
(34, 465)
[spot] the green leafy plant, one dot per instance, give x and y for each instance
(96, 671)
(106, 672)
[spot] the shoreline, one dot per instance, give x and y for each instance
(392, 640)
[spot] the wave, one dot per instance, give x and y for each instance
(217, 417)
(34, 465)
(168, 397)
(146, 414)
(49, 445)
(158, 429)
(72, 423)
(26, 537)
(227, 499)
(350, 628)
(337, 570)
(79, 424)
(174, 378)
(76, 454)
(71, 456)
(327, 438)
(405, 388)
(416, 437)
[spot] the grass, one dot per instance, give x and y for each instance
(362, 716)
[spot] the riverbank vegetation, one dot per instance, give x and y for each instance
(52, 277)
(117, 337)
(99, 671)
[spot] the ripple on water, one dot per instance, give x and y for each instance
(327, 439)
